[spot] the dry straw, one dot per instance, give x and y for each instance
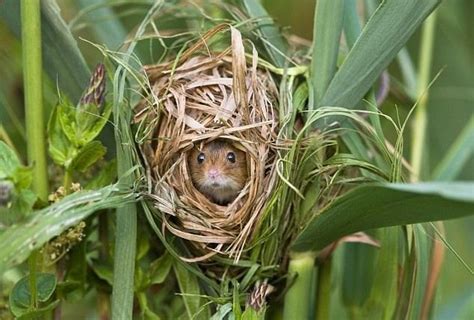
(199, 97)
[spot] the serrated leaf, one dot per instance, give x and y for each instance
(20, 297)
(87, 156)
(90, 122)
(382, 205)
(60, 148)
(66, 114)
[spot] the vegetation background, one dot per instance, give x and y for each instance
(450, 107)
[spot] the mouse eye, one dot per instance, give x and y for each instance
(231, 157)
(200, 158)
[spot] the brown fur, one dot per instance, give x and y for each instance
(231, 176)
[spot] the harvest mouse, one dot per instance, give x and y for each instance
(218, 170)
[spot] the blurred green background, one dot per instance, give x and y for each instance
(451, 105)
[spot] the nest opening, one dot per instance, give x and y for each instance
(203, 99)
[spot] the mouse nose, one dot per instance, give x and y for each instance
(213, 173)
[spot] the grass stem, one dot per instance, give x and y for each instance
(298, 298)
(33, 86)
(421, 119)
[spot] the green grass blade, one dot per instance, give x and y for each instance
(458, 155)
(19, 240)
(106, 24)
(376, 206)
(189, 287)
(63, 61)
(274, 43)
(126, 235)
(383, 36)
(328, 17)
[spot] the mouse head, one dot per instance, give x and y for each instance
(218, 170)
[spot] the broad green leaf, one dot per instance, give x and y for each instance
(66, 114)
(384, 35)
(327, 27)
(160, 268)
(189, 287)
(252, 314)
(87, 156)
(21, 239)
(63, 61)
(20, 296)
(383, 205)
(272, 39)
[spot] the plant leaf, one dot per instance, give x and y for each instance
(87, 156)
(63, 61)
(328, 17)
(9, 162)
(189, 287)
(21, 239)
(382, 205)
(60, 147)
(20, 296)
(160, 268)
(274, 43)
(384, 35)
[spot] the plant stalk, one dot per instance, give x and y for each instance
(298, 299)
(33, 86)
(420, 124)
(323, 295)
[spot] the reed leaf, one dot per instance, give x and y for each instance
(23, 238)
(383, 205)
(383, 36)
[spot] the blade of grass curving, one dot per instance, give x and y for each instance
(457, 156)
(382, 205)
(106, 24)
(272, 39)
(327, 28)
(63, 61)
(126, 234)
(19, 240)
(383, 36)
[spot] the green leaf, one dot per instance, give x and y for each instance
(384, 35)
(20, 296)
(328, 17)
(90, 121)
(273, 41)
(59, 146)
(67, 119)
(39, 313)
(160, 268)
(382, 205)
(87, 156)
(222, 312)
(47, 223)
(189, 287)
(9, 162)
(63, 61)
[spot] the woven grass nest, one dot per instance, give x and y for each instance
(199, 98)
